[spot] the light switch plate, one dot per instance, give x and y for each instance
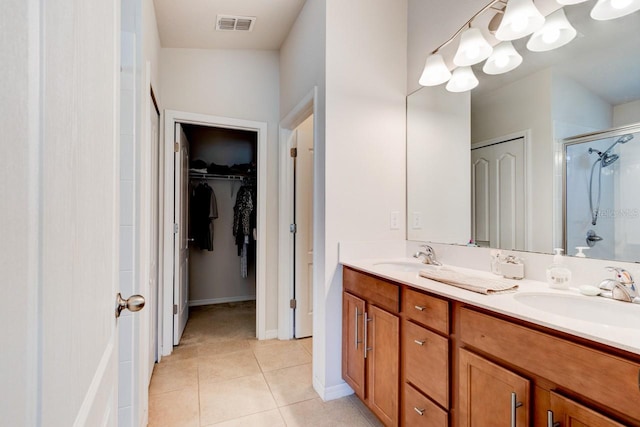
(395, 220)
(416, 220)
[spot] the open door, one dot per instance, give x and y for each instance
(60, 257)
(181, 235)
(303, 218)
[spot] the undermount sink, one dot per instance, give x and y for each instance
(590, 309)
(402, 266)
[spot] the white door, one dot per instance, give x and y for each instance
(498, 195)
(60, 222)
(303, 217)
(154, 225)
(181, 238)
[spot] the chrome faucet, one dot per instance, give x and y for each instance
(622, 288)
(427, 255)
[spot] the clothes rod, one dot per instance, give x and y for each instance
(215, 176)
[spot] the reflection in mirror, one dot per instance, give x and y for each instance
(517, 123)
(601, 203)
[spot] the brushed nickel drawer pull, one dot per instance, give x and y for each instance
(367, 319)
(550, 422)
(357, 340)
(419, 411)
(419, 307)
(419, 342)
(514, 405)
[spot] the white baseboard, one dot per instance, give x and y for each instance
(271, 334)
(333, 392)
(198, 302)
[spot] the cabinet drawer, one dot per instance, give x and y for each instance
(426, 361)
(430, 311)
(609, 380)
(420, 411)
(375, 291)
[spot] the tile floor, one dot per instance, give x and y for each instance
(221, 375)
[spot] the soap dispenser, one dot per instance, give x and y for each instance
(581, 250)
(558, 275)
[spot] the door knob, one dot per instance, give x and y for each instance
(133, 303)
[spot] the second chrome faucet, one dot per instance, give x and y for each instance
(427, 255)
(621, 288)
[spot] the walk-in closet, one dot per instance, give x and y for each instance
(222, 207)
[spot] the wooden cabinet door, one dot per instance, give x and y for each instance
(568, 413)
(383, 359)
(486, 393)
(353, 361)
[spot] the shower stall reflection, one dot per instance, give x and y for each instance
(601, 194)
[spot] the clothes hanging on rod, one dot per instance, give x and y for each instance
(244, 222)
(203, 210)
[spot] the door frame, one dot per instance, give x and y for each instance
(171, 117)
(528, 170)
(286, 281)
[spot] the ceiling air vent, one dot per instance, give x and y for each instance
(234, 23)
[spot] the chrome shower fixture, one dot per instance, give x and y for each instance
(604, 159)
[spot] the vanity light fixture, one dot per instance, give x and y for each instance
(567, 2)
(556, 32)
(462, 80)
(612, 9)
(435, 71)
(521, 18)
(503, 59)
(473, 48)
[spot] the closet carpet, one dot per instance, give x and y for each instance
(220, 375)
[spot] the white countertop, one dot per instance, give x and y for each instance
(619, 337)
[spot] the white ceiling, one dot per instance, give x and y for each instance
(191, 23)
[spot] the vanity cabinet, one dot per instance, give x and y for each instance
(491, 395)
(371, 342)
(566, 412)
(419, 359)
(554, 367)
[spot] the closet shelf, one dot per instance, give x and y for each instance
(193, 175)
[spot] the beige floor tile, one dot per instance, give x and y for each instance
(181, 352)
(227, 366)
(373, 420)
(270, 418)
(175, 409)
(307, 343)
(316, 413)
(227, 400)
(281, 355)
(172, 376)
(223, 347)
(291, 385)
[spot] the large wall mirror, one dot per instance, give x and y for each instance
(524, 159)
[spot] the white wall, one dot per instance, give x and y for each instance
(438, 165)
(626, 114)
(151, 44)
(365, 148)
(302, 68)
(359, 143)
(577, 108)
(236, 84)
(516, 107)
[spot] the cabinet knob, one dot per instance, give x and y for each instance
(419, 342)
(419, 411)
(419, 307)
